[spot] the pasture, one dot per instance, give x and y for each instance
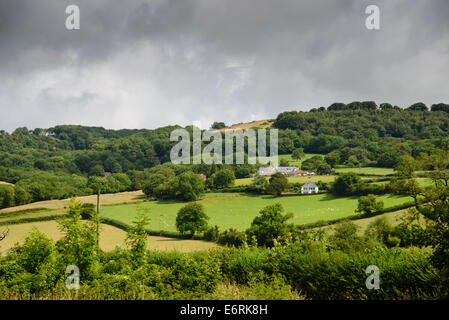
(373, 171)
(232, 210)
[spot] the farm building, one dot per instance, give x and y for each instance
(267, 171)
(299, 173)
(309, 187)
(288, 171)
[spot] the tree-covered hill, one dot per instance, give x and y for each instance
(57, 162)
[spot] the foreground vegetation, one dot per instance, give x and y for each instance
(308, 268)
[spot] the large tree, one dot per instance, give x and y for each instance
(269, 225)
(298, 153)
(190, 186)
(346, 184)
(369, 205)
(223, 179)
(191, 219)
(278, 184)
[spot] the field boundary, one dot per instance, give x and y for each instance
(123, 226)
(325, 223)
(33, 219)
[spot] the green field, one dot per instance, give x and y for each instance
(423, 182)
(232, 210)
(367, 171)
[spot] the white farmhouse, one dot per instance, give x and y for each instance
(309, 187)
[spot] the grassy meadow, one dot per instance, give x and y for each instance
(374, 171)
(232, 210)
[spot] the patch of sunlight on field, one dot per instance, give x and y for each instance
(245, 126)
(110, 237)
(106, 199)
(375, 171)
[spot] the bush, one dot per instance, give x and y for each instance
(242, 265)
(199, 273)
(232, 238)
(404, 274)
(212, 234)
(39, 263)
(379, 230)
(345, 238)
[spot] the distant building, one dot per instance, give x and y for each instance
(309, 187)
(267, 171)
(288, 171)
(107, 174)
(285, 170)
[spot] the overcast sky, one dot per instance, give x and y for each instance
(146, 64)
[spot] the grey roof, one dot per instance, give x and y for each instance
(310, 184)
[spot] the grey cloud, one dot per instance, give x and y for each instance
(151, 63)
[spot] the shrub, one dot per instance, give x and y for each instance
(345, 238)
(242, 265)
(232, 238)
(212, 234)
(404, 274)
(199, 273)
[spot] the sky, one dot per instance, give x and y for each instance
(147, 64)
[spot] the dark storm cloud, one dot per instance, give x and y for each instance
(153, 63)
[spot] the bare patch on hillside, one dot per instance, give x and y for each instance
(263, 124)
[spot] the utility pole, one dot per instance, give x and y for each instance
(98, 221)
(96, 184)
